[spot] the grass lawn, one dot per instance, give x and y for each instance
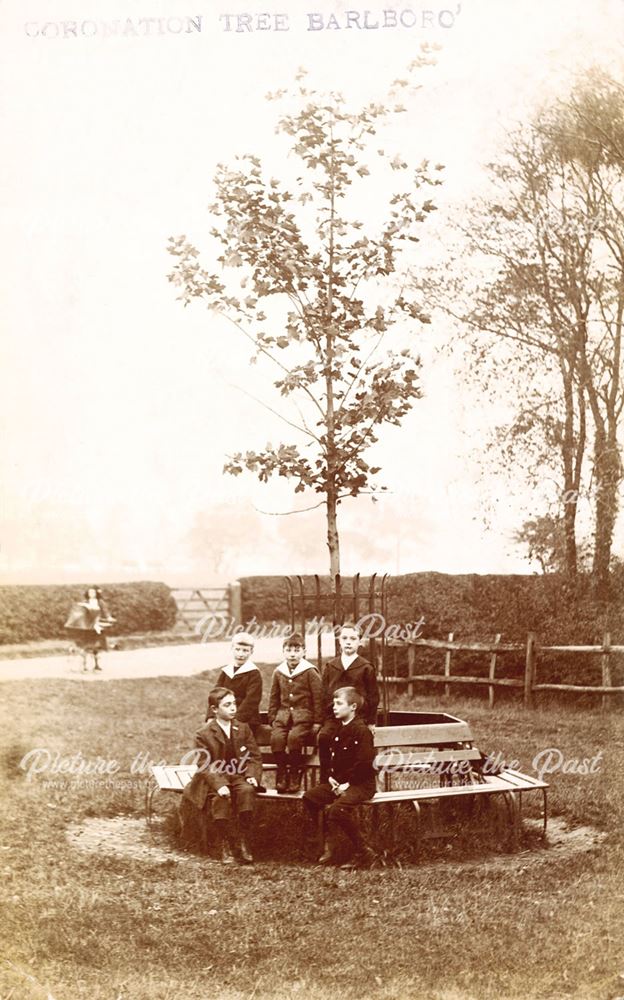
(78, 925)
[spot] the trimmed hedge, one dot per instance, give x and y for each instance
(472, 606)
(29, 613)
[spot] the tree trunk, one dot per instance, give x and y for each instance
(608, 469)
(607, 474)
(569, 529)
(572, 451)
(333, 542)
(607, 460)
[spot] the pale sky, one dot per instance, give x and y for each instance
(116, 399)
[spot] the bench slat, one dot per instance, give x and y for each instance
(173, 777)
(522, 780)
(492, 784)
(425, 756)
(526, 778)
(423, 735)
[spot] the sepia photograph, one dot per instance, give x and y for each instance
(311, 504)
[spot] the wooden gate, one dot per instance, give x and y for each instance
(196, 603)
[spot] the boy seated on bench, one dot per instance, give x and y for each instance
(347, 670)
(229, 773)
(295, 713)
(351, 781)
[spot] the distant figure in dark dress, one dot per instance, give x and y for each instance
(86, 624)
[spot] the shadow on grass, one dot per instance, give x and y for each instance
(455, 830)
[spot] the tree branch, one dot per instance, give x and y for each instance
(303, 430)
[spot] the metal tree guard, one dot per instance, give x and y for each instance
(344, 606)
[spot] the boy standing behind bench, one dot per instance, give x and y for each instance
(242, 677)
(347, 670)
(295, 712)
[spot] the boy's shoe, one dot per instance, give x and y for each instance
(246, 857)
(365, 858)
(294, 784)
(281, 780)
(225, 855)
(311, 847)
(327, 857)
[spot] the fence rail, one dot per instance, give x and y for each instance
(532, 652)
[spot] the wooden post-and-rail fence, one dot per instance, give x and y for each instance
(529, 683)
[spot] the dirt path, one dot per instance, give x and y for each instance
(124, 837)
(155, 661)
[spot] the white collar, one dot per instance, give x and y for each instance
(348, 660)
(225, 726)
(301, 667)
(245, 669)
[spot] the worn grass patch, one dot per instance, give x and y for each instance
(79, 924)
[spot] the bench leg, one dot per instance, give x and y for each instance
(514, 820)
(150, 790)
(321, 830)
(418, 812)
(391, 829)
(182, 821)
(545, 814)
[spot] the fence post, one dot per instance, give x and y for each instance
(447, 666)
(606, 667)
(493, 672)
(411, 664)
(529, 670)
(235, 602)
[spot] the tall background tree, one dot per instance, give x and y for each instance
(319, 292)
(542, 313)
(588, 133)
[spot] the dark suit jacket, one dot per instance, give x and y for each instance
(360, 675)
(352, 753)
(211, 776)
(300, 695)
(247, 689)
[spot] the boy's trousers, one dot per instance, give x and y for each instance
(291, 737)
(341, 808)
(241, 798)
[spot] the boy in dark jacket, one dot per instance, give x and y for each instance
(230, 770)
(295, 712)
(351, 780)
(242, 677)
(346, 670)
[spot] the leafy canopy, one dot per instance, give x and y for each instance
(308, 285)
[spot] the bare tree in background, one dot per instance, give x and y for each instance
(542, 319)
